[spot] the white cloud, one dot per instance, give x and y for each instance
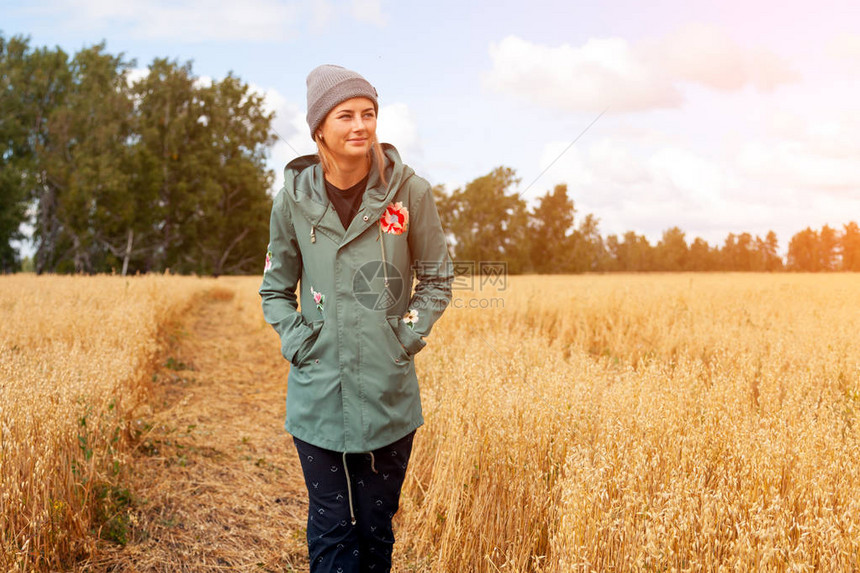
(210, 20)
(709, 56)
(819, 152)
(797, 164)
(782, 185)
(398, 127)
(369, 11)
(291, 128)
(686, 176)
(195, 21)
(665, 186)
(203, 82)
(560, 164)
(831, 133)
(625, 77)
(322, 14)
(602, 73)
(608, 160)
(136, 74)
(845, 46)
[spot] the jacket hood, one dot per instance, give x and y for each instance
(305, 185)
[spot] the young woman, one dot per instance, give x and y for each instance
(351, 229)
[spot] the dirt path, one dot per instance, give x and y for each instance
(215, 481)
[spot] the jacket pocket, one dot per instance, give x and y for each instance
(410, 340)
(307, 346)
(398, 351)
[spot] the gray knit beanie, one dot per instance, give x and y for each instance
(330, 85)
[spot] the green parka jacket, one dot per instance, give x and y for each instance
(352, 385)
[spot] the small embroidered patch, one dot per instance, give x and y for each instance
(268, 262)
(410, 318)
(395, 219)
(319, 298)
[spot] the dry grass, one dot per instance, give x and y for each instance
(685, 422)
(592, 423)
(217, 480)
(76, 354)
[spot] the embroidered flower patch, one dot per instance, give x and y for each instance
(268, 262)
(410, 318)
(395, 219)
(319, 298)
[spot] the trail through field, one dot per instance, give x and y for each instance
(215, 483)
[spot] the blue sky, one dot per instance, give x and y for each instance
(720, 116)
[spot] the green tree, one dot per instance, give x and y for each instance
(201, 156)
(702, 257)
(488, 221)
(232, 230)
(589, 251)
(86, 159)
(171, 152)
(672, 252)
(828, 248)
(168, 173)
(766, 253)
(611, 262)
(34, 87)
(849, 247)
(634, 253)
(803, 251)
(15, 152)
(551, 224)
(71, 117)
(738, 252)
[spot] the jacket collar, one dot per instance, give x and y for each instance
(305, 185)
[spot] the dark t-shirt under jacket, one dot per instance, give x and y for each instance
(346, 201)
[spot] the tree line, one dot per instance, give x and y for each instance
(167, 172)
(113, 174)
(487, 221)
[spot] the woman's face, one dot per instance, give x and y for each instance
(349, 129)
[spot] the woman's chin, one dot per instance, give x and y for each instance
(351, 153)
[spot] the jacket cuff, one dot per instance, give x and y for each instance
(410, 339)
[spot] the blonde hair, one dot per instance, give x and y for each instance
(329, 164)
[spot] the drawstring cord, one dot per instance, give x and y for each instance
(349, 483)
(348, 490)
(384, 264)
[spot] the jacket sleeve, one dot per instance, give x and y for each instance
(278, 291)
(433, 270)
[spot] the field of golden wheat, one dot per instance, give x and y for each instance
(682, 422)
(76, 356)
(676, 422)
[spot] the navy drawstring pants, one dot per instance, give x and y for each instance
(335, 543)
